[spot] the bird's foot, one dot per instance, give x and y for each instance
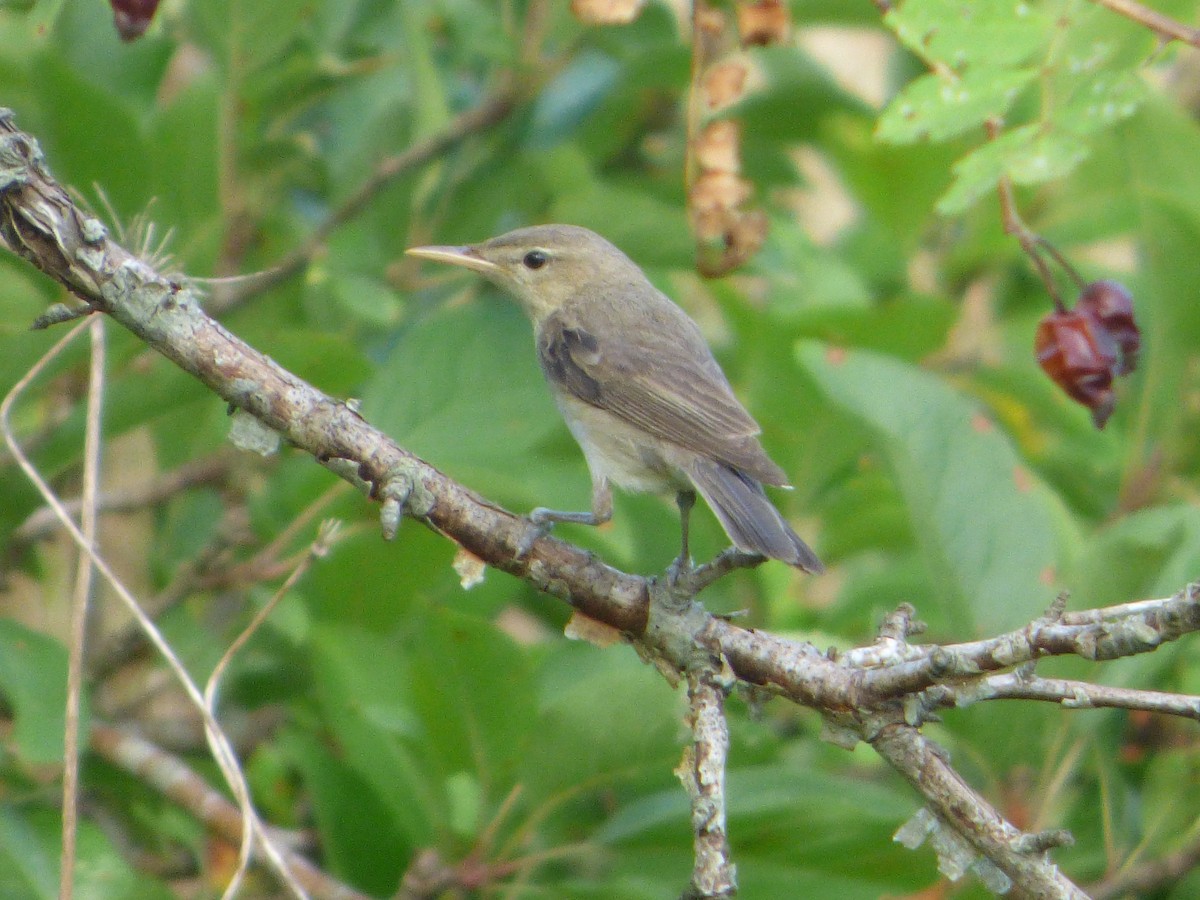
(540, 527)
(543, 520)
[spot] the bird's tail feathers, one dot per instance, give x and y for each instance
(748, 516)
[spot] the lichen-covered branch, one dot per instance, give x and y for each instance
(702, 772)
(994, 843)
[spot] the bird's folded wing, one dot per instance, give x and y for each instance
(675, 391)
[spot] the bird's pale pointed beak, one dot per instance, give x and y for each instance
(455, 256)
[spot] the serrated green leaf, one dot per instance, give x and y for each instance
(1101, 102)
(1047, 158)
(1028, 155)
(936, 108)
(967, 33)
(987, 528)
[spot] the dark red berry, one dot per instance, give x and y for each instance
(132, 17)
(1110, 304)
(1080, 357)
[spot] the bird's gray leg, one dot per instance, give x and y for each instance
(544, 519)
(685, 500)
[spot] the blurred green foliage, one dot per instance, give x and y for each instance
(889, 361)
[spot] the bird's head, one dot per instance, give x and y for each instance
(544, 266)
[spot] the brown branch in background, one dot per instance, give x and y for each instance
(197, 473)
(490, 112)
(174, 780)
(215, 568)
(1148, 878)
(125, 645)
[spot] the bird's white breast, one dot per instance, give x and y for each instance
(618, 451)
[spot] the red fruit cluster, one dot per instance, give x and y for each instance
(1085, 348)
(132, 17)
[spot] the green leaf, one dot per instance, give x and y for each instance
(586, 732)
(1028, 155)
(789, 96)
(1150, 553)
(988, 530)
(808, 280)
(33, 676)
(1101, 102)
(759, 793)
(936, 108)
(30, 843)
(359, 840)
(368, 301)
(571, 97)
(462, 387)
(966, 33)
(183, 167)
(28, 860)
(95, 138)
(474, 692)
(332, 362)
(847, 824)
(363, 690)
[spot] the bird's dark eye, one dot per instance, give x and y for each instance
(535, 259)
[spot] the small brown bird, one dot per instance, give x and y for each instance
(637, 384)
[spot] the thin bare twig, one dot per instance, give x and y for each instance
(1164, 26)
(1103, 634)
(1031, 243)
(490, 112)
(79, 610)
(250, 823)
(1149, 877)
(1075, 695)
(42, 523)
(232, 773)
